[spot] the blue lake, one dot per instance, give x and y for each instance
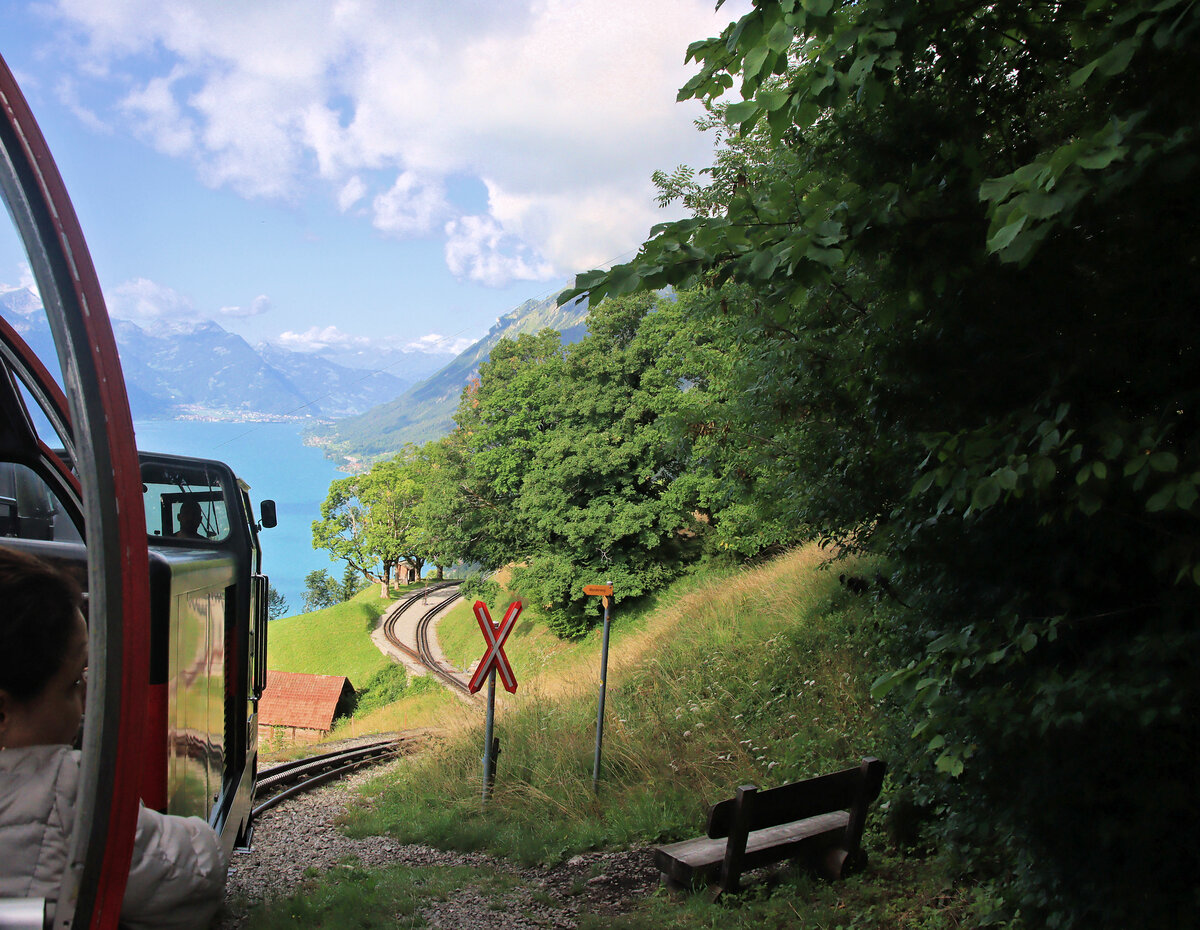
(273, 460)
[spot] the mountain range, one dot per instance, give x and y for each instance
(197, 369)
(425, 411)
(176, 369)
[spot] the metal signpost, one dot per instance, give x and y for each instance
(494, 660)
(605, 591)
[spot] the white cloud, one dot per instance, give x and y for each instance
(437, 344)
(562, 107)
(159, 118)
(260, 305)
(410, 207)
(68, 94)
(479, 249)
(26, 279)
(333, 341)
(142, 299)
(321, 338)
(351, 193)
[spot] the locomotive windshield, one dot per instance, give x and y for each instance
(185, 503)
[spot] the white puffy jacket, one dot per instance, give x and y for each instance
(176, 879)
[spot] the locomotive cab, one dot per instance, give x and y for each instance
(208, 609)
(208, 616)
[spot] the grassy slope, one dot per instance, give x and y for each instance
(332, 641)
(759, 676)
(712, 690)
(434, 707)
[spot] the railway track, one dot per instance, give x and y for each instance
(424, 652)
(280, 782)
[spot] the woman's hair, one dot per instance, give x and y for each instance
(37, 610)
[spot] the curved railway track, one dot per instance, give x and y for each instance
(280, 782)
(424, 652)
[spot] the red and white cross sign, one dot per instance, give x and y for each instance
(494, 657)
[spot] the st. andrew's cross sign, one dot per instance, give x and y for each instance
(494, 657)
(493, 663)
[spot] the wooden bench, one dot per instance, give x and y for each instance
(819, 821)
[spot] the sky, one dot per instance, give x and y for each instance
(329, 174)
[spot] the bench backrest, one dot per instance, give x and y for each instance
(847, 790)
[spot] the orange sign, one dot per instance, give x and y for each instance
(604, 589)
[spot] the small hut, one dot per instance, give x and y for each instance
(303, 706)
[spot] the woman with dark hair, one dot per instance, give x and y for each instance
(177, 875)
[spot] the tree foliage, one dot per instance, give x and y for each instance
(368, 520)
(569, 459)
(352, 582)
(958, 259)
(320, 591)
(277, 605)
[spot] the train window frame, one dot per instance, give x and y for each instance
(166, 489)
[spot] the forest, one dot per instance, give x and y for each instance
(936, 304)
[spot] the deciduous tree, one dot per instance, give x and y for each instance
(320, 591)
(367, 520)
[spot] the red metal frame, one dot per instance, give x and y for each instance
(109, 473)
(33, 365)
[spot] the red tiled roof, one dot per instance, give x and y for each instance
(291, 699)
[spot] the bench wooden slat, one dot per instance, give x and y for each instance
(700, 859)
(797, 801)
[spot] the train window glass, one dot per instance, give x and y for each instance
(29, 508)
(185, 504)
(43, 429)
(21, 308)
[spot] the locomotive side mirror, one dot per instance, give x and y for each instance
(266, 510)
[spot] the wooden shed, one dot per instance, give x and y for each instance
(304, 706)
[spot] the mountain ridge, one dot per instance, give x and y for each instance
(185, 369)
(196, 369)
(425, 411)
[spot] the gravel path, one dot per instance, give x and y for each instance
(300, 835)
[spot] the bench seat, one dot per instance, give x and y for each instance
(698, 861)
(819, 821)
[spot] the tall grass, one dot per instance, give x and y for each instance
(761, 676)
